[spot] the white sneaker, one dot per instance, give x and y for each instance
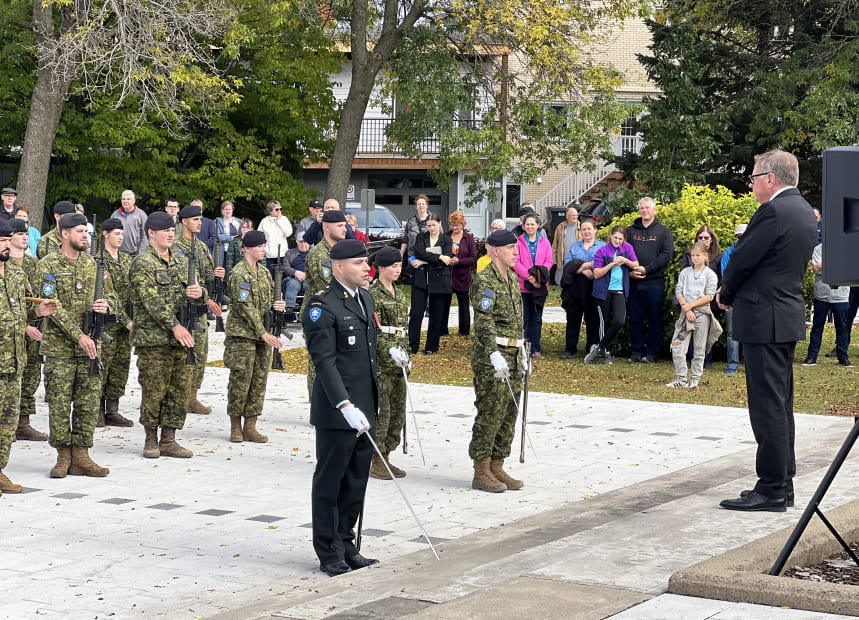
(677, 383)
(692, 385)
(594, 354)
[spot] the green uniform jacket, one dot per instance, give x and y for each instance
(233, 255)
(393, 311)
(13, 320)
(50, 242)
(205, 266)
(497, 313)
(158, 287)
(317, 269)
(30, 266)
(119, 269)
(73, 283)
(252, 295)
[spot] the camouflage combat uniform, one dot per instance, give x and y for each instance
(393, 313)
(13, 352)
(205, 275)
(116, 356)
(33, 371)
(158, 288)
(317, 269)
(497, 314)
(245, 353)
(50, 242)
(68, 384)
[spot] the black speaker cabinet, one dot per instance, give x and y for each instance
(841, 216)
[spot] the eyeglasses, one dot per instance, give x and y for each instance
(278, 209)
(759, 174)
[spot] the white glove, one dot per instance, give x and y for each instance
(527, 367)
(400, 357)
(502, 370)
(356, 418)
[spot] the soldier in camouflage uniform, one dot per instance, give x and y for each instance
(51, 240)
(69, 276)
(317, 268)
(247, 349)
(392, 308)
(192, 219)
(159, 281)
(13, 354)
(497, 352)
(33, 370)
(116, 355)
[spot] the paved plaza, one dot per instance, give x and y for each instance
(619, 495)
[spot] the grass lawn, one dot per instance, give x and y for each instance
(824, 389)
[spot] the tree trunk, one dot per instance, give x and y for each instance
(46, 109)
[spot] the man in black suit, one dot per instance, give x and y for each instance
(340, 330)
(763, 285)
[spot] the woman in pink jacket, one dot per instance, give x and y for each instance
(534, 251)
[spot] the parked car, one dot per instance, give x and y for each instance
(383, 223)
(595, 211)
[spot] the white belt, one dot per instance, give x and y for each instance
(509, 342)
(399, 332)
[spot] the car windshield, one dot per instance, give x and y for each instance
(379, 218)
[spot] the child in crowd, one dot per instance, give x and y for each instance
(695, 289)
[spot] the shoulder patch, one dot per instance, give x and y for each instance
(489, 293)
(245, 285)
(50, 277)
(486, 303)
(314, 313)
(48, 289)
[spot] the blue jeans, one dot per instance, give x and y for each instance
(733, 345)
(842, 331)
(851, 310)
(533, 318)
(645, 304)
(292, 288)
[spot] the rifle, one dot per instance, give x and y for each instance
(218, 293)
(191, 309)
(275, 318)
(94, 322)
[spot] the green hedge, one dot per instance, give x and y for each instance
(720, 209)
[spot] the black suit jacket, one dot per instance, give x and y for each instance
(763, 279)
(434, 277)
(341, 341)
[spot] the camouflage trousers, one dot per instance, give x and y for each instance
(115, 360)
(201, 348)
(10, 394)
(165, 385)
(30, 378)
(69, 389)
(249, 362)
(392, 409)
(495, 423)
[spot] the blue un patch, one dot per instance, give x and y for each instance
(485, 303)
(47, 289)
(315, 313)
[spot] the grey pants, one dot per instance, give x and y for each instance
(699, 343)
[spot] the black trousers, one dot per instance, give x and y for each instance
(769, 384)
(579, 308)
(337, 495)
(612, 314)
(464, 307)
(416, 316)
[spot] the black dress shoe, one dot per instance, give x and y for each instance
(335, 568)
(755, 501)
(788, 499)
(359, 561)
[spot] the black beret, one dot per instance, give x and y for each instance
(70, 220)
(9, 190)
(525, 211)
(5, 229)
(348, 248)
(253, 238)
(315, 204)
(18, 226)
(501, 237)
(190, 211)
(159, 220)
(334, 215)
(63, 207)
(388, 256)
(113, 223)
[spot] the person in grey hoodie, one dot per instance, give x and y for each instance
(133, 220)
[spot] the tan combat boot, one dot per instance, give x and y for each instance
(236, 429)
(496, 468)
(483, 478)
(169, 447)
(150, 444)
(64, 461)
(250, 431)
(25, 432)
(399, 473)
(7, 486)
(112, 417)
(195, 406)
(377, 469)
(100, 423)
(83, 465)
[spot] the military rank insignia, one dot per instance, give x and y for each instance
(315, 313)
(487, 300)
(49, 286)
